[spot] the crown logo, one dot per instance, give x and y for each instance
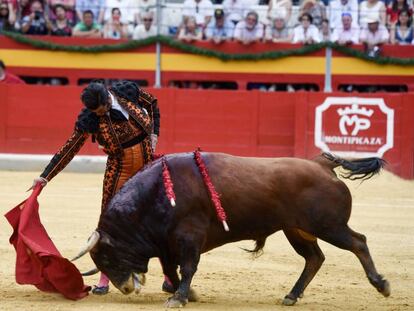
(355, 110)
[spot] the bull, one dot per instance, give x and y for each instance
(304, 198)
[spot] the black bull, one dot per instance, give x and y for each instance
(304, 198)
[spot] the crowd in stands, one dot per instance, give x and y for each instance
(346, 22)
(371, 22)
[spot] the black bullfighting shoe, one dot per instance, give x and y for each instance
(168, 287)
(100, 290)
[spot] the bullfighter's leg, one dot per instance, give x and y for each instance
(306, 246)
(189, 249)
(355, 242)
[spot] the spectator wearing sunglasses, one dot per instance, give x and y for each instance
(146, 29)
(249, 30)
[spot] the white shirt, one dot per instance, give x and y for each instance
(128, 9)
(242, 33)
(234, 9)
(340, 34)
(300, 36)
(141, 33)
(378, 37)
(336, 8)
(199, 10)
(366, 12)
(117, 106)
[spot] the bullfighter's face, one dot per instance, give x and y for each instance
(124, 269)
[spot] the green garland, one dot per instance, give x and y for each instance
(134, 44)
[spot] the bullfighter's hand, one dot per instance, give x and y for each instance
(154, 140)
(41, 180)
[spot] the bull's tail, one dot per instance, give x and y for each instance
(357, 169)
(258, 249)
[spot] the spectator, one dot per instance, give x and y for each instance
(88, 28)
(249, 30)
(219, 29)
(97, 7)
(36, 23)
(234, 10)
(6, 19)
(394, 9)
(279, 8)
(12, 6)
(24, 7)
(325, 32)
(374, 36)
(306, 32)
(277, 31)
(369, 9)
(201, 10)
(61, 26)
(68, 5)
(190, 31)
(128, 9)
(402, 33)
(316, 9)
(346, 34)
(143, 7)
(146, 29)
(338, 7)
(114, 28)
(7, 77)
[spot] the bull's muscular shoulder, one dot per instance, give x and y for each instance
(126, 89)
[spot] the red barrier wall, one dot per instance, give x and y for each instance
(38, 119)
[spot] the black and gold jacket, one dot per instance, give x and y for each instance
(112, 131)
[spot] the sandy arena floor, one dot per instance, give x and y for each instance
(227, 279)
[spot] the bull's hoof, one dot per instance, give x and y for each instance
(192, 295)
(289, 301)
(386, 291)
(176, 301)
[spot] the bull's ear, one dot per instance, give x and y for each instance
(106, 239)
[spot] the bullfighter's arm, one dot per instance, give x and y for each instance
(150, 103)
(65, 154)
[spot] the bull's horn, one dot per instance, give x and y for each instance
(90, 272)
(93, 239)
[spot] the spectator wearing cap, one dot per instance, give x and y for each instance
(146, 29)
(306, 32)
(347, 33)
(219, 29)
(235, 10)
(201, 10)
(143, 7)
(370, 9)
(87, 28)
(61, 26)
(402, 33)
(277, 31)
(114, 28)
(339, 7)
(36, 23)
(249, 30)
(374, 36)
(191, 31)
(7, 77)
(97, 7)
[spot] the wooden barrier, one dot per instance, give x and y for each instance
(38, 120)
